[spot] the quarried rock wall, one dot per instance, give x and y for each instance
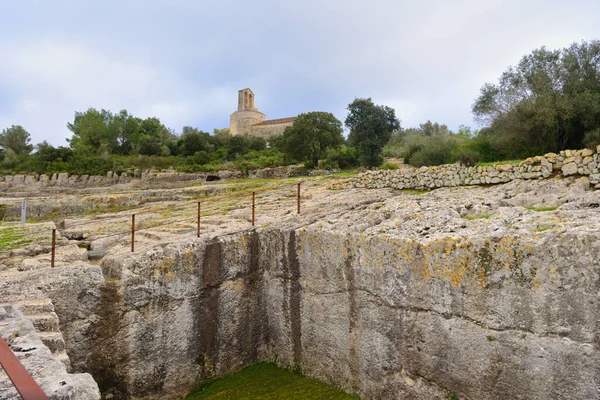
(177, 315)
(491, 317)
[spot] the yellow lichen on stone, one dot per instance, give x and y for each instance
(164, 268)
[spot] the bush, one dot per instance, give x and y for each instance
(591, 139)
(393, 151)
(389, 165)
(201, 157)
(412, 144)
(10, 159)
(435, 150)
(467, 157)
(343, 158)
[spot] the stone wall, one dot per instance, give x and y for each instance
(241, 122)
(268, 130)
(569, 162)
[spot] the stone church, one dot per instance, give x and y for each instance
(248, 119)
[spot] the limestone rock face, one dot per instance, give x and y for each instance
(48, 372)
(176, 315)
(380, 315)
(482, 292)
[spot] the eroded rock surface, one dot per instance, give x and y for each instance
(49, 373)
(485, 293)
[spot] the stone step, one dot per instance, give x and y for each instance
(37, 306)
(63, 358)
(53, 340)
(47, 322)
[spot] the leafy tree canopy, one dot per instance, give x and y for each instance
(311, 135)
(17, 139)
(548, 102)
(102, 132)
(371, 127)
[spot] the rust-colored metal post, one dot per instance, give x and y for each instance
(25, 384)
(198, 219)
(298, 197)
(53, 248)
(132, 233)
(253, 207)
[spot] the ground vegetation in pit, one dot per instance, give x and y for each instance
(268, 382)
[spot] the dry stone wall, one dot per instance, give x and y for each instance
(584, 162)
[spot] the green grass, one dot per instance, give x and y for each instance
(479, 216)
(110, 209)
(543, 229)
(13, 238)
(452, 396)
(345, 174)
(491, 164)
(414, 191)
(541, 209)
(267, 381)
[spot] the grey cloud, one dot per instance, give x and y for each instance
(183, 61)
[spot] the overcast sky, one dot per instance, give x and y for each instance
(183, 61)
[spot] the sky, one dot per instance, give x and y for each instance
(183, 61)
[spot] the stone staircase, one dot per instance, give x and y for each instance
(41, 313)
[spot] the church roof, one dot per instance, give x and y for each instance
(276, 121)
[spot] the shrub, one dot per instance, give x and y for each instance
(467, 157)
(393, 151)
(389, 165)
(435, 150)
(201, 157)
(591, 139)
(412, 144)
(344, 158)
(10, 159)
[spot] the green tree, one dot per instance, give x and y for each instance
(10, 158)
(238, 145)
(17, 139)
(153, 135)
(93, 131)
(371, 127)
(128, 132)
(548, 102)
(193, 140)
(311, 134)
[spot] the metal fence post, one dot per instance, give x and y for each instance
(53, 248)
(198, 219)
(298, 197)
(132, 233)
(253, 207)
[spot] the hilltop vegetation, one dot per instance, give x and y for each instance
(549, 102)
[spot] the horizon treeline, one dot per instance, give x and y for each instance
(549, 101)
